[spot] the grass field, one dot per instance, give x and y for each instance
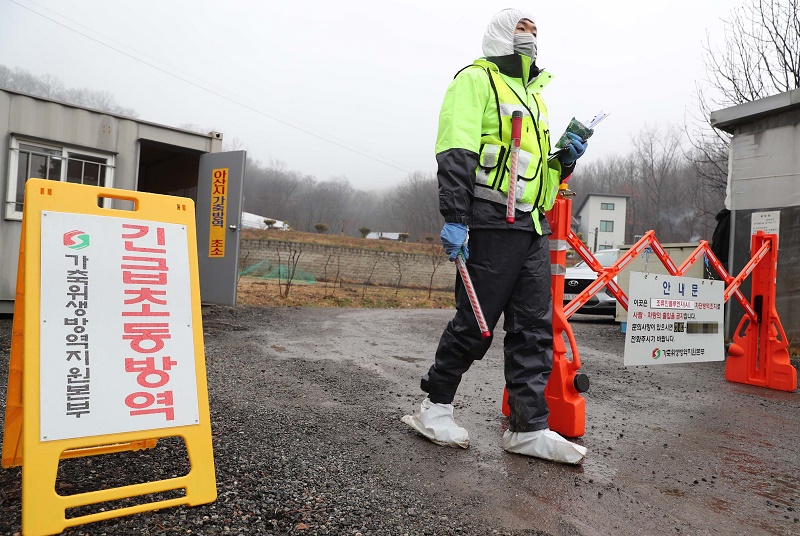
(429, 247)
(264, 292)
(254, 291)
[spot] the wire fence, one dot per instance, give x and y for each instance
(279, 272)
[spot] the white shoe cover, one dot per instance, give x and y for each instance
(544, 444)
(435, 421)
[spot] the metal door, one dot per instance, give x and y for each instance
(219, 212)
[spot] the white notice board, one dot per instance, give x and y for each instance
(769, 222)
(117, 345)
(674, 320)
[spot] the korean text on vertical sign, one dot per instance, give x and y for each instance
(116, 327)
(674, 320)
(769, 222)
(219, 209)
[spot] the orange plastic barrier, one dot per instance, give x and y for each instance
(567, 406)
(758, 355)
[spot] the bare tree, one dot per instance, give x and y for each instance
(329, 201)
(397, 262)
(234, 144)
(274, 191)
(759, 57)
(438, 258)
(269, 190)
(658, 155)
(51, 87)
(414, 205)
(325, 274)
(285, 284)
(761, 54)
(665, 191)
(369, 278)
(335, 277)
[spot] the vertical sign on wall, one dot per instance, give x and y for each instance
(218, 214)
(769, 222)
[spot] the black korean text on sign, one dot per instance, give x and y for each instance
(77, 388)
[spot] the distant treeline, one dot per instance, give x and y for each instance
(667, 190)
(52, 87)
(302, 201)
(674, 192)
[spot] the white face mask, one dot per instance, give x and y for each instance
(525, 44)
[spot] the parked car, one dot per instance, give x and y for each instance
(580, 276)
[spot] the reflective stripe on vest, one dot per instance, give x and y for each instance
(491, 175)
(499, 197)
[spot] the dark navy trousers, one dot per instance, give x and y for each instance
(510, 271)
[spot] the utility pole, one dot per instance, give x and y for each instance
(594, 250)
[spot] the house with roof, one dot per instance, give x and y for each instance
(378, 235)
(600, 218)
(48, 139)
(256, 221)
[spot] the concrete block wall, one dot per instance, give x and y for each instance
(353, 265)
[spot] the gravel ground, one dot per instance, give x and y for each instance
(305, 407)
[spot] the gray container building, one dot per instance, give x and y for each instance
(764, 192)
(53, 140)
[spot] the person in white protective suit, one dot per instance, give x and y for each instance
(508, 263)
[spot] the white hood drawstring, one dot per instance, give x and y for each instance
(499, 37)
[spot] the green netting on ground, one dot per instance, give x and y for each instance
(266, 270)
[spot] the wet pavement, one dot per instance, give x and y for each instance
(672, 449)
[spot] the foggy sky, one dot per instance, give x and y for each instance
(367, 78)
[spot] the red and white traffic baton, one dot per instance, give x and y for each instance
(473, 298)
(516, 135)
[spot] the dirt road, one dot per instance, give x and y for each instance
(306, 406)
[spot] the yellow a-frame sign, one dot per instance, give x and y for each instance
(107, 347)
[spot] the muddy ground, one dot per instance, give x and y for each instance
(306, 404)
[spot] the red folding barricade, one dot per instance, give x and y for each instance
(758, 354)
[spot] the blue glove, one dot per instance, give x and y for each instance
(454, 239)
(577, 146)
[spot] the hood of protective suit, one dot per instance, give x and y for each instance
(499, 37)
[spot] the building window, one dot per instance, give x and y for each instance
(603, 247)
(29, 159)
(606, 206)
(606, 226)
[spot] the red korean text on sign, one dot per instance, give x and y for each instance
(144, 275)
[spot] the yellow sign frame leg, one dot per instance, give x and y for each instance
(43, 510)
(12, 436)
